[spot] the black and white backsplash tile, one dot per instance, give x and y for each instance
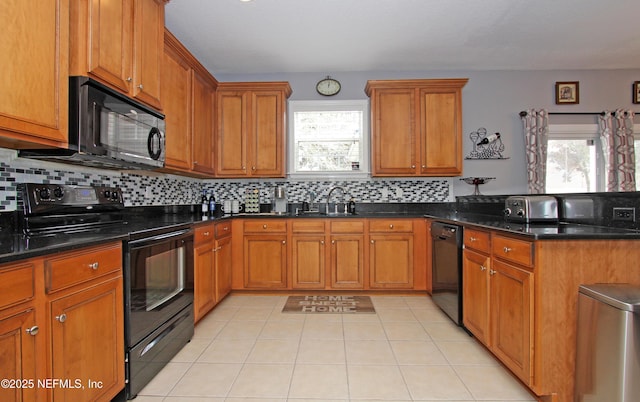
(150, 188)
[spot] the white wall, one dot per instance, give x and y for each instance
(491, 99)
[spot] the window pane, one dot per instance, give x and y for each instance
(328, 141)
(571, 166)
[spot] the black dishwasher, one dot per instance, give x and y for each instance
(446, 266)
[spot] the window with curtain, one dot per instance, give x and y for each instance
(575, 160)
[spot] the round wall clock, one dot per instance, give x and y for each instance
(328, 86)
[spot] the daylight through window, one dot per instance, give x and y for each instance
(328, 137)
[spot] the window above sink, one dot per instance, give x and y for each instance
(329, 139)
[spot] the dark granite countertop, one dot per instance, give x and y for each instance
(15, 246)
(537, 231)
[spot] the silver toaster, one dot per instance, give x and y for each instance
(531, 208)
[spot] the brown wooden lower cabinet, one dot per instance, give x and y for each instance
(222, 255)
(204, 271)
(325, 254)
(62, 318)
(520, 299)
(346, 262)
(87, 344)
(18, 354)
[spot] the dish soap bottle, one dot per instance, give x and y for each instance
(351, 207)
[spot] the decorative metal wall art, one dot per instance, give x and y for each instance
(486, 146)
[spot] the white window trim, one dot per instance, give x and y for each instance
(319, 105)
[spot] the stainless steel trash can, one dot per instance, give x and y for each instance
(608, 343)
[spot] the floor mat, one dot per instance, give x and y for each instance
(335, 304)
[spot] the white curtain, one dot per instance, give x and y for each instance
(616, 135)
(536, 134)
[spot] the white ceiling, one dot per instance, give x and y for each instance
(296, 36)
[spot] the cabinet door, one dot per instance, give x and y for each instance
(394, 133)
(231, 150)
(202, 117)
(267, 134)
(35, 72)
(391, 261)
(512, 318)
(106, 46)
(347, 265)
(204, 281)
(87, 341)
(475, 294)
(265, 261)
(148, 19)
(308, 262)
(18, 355)
(441, 133)
(176, 99)
(222, 257)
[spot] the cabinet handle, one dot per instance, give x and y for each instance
(492, 272)
(244, 168)
(215, 250)
(94, 266)
(424, 166)
(33, 331)
(322, 242)
(253, 168)
(264, 226)
(140, 86)
(61, 318)
(372, 241)
(413, 166)
(226, 228)
(507, 249)
(129, 79)
(472, 239)
(205, 234)
(284, 242)
(333, 242)
(483, 268)
(391, 226)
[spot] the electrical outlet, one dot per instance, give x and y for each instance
(624, 214)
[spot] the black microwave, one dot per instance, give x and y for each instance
(108, 130)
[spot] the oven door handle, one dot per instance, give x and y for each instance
(166, 236)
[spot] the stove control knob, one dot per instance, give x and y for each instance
(45, 193)
(114, 195)
(507, 212)
(520, 212)
(58, 193)
(107, 194)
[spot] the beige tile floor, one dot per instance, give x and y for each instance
(248, 350)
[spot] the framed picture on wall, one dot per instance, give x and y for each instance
(567, 92)
(636, 92)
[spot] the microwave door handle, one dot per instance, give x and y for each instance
(154, 152)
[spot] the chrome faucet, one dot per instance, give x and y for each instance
(326, 209)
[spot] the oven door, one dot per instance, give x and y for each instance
(158, 282)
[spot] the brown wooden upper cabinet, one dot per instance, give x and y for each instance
(416, 127)
(34, 82)
(188, 97)
(251, 129)
(119, 43)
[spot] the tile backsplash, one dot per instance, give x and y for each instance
(141, 188)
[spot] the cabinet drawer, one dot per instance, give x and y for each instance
(347, 226)
(16, 284)
(307, 226)
(265, 226)
(223, 229)
(80, 266)
(519, 251)
(390, 226)
(477, 240)
(203, 233)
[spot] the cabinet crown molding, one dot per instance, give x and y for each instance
(418, 83)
